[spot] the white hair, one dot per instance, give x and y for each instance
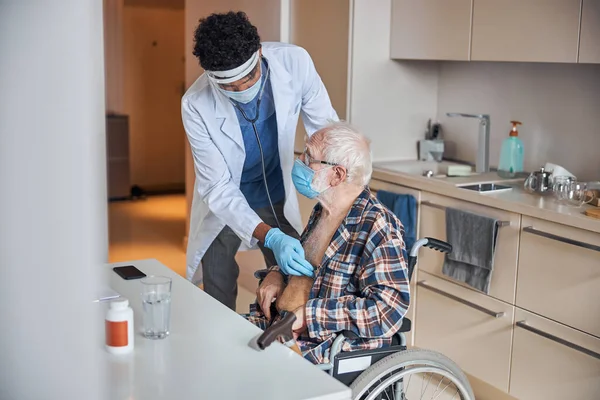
(343, 144)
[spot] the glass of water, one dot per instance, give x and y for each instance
(156, 299)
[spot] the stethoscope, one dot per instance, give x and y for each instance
(262, 156)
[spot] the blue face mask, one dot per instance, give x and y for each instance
(245, 96)
(302, 176)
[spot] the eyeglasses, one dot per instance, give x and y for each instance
(309, 160)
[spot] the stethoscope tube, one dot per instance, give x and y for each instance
(260, 148)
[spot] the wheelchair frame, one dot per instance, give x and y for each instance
(358, 359)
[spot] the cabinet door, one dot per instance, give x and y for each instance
(552, 362)
(433, 224)
(431, 29)
(376, 185)
(472, 329)
(589, 45)
(525, 30)
(559, 274)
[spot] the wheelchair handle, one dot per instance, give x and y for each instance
(432, 243)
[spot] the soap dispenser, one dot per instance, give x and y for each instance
(511, 154)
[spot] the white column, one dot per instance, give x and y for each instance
(53, 236)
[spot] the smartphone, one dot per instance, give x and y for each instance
(129, 272)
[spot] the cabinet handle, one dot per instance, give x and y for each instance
(433, 205)
(533, 231)
(463, 301)
(524, 325)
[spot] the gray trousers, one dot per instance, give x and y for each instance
(219, 267)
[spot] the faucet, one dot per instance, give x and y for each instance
(483, 143)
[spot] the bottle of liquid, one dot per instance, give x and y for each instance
(511, 154)
(119, 327)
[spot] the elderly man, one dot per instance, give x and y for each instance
(355, 245)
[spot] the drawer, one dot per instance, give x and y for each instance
(376, 185)
(433, 224)
(552, 361)
(559, 274)
(471, 328)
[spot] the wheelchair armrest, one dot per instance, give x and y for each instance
(405, 327)
(349, 334)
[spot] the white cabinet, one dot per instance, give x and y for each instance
(376, 185)
(526, 30)
(559, 274)
(553, 362)
(431, 29)
(589, 45)
(433, 224)
(472, 329)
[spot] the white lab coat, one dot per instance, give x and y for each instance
(217, 147)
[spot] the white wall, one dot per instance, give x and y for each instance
(390, 101)
(558, 104)
(53, 230)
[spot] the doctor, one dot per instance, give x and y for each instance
(240, 118)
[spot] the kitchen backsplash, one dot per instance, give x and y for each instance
(558, 104)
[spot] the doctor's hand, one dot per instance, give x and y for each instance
(269, 290)
(288, 253)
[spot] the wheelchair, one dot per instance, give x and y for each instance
(396, 372)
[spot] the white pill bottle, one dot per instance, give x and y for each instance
(119, 327)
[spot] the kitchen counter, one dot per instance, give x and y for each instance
(516, 200)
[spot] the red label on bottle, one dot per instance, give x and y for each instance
(116, 333)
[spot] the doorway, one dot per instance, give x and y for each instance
(145, 73)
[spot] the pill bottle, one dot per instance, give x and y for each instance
(119, 327)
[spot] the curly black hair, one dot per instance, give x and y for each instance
(225, 41)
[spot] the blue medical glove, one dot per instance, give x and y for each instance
(288, 253)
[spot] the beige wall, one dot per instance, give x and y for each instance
(390, 101)
(153, 49)
(322, 28)
(113, 55)
(557, 103)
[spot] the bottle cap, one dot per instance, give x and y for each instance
(514, 131)
(119, 304)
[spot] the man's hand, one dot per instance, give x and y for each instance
(299, 325)
(288, 252)
(270, 289)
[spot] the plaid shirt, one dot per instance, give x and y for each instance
(360, 286)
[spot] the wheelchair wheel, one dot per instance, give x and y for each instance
(411, 375)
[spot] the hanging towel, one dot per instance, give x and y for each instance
(404, 206)
(473, 240)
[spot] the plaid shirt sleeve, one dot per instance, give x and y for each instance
(382, 302)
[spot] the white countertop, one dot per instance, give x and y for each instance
(207, 355)
(516, 200)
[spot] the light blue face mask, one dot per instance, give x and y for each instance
(302, 176)
(245, 96)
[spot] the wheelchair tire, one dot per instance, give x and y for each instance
(406, 359)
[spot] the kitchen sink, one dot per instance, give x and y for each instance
(486, 187)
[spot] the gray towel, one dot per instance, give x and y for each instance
(473, 240)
